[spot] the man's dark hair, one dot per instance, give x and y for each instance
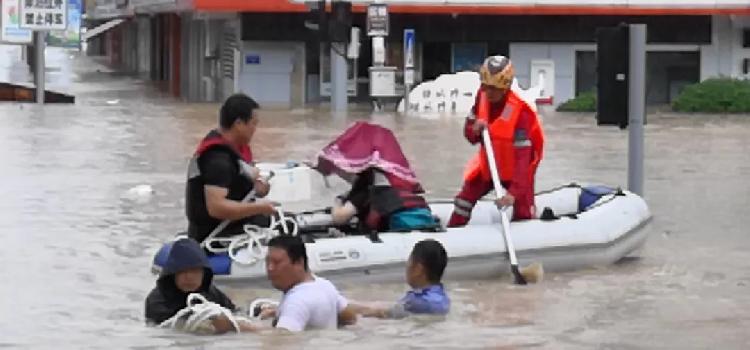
(294, 247)
(237, 106)
(431, 254)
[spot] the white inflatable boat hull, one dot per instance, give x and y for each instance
(602, 235)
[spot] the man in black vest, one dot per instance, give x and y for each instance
(221, 175)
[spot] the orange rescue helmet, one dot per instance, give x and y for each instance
(497, 71)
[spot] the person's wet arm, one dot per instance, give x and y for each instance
(222, 208)
(347, 314)
(222, 325)
(473, 126)
(341, 214)
(262, 187)
(217, 172)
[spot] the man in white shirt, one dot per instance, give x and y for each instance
(309, 302)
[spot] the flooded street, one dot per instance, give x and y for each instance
(77, 249)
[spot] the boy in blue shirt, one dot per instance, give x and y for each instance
(424, 271)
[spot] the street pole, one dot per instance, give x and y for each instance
(339, 79)
(636, 107)
(39, 37)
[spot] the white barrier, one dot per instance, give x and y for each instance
(455, 94)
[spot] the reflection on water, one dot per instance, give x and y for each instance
(76, 248)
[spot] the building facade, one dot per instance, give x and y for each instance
(204, 50)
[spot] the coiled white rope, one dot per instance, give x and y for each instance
(221, 244)
(197, 314)
(253, 240)
(260, 304)
(215, 244)
(254, 236)
(285, 222)
(248, 249)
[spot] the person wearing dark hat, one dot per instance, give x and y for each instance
(187, 271)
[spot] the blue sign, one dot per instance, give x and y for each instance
(409, 41)
(252, 59)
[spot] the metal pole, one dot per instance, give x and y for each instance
(407, 89)
(338, 77)
(40, 37)
(408, 53)
(636, 107)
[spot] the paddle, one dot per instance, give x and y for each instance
(534, 272)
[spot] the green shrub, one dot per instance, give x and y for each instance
(584, 102)
(720, 95)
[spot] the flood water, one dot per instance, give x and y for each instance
(76, 247)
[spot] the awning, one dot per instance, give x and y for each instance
(101, 29)
(502, 7)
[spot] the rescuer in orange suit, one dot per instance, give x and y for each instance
(517, 141)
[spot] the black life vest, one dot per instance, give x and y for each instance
(382, 200)
(200, 223)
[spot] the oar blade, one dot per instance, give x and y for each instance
(517, 276)
(533, 273)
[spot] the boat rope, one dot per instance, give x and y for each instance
(570, 185)
(197, 314)
(250, 247)
(253, 240)
(258, 305)
(223, 243)
(285, 224)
